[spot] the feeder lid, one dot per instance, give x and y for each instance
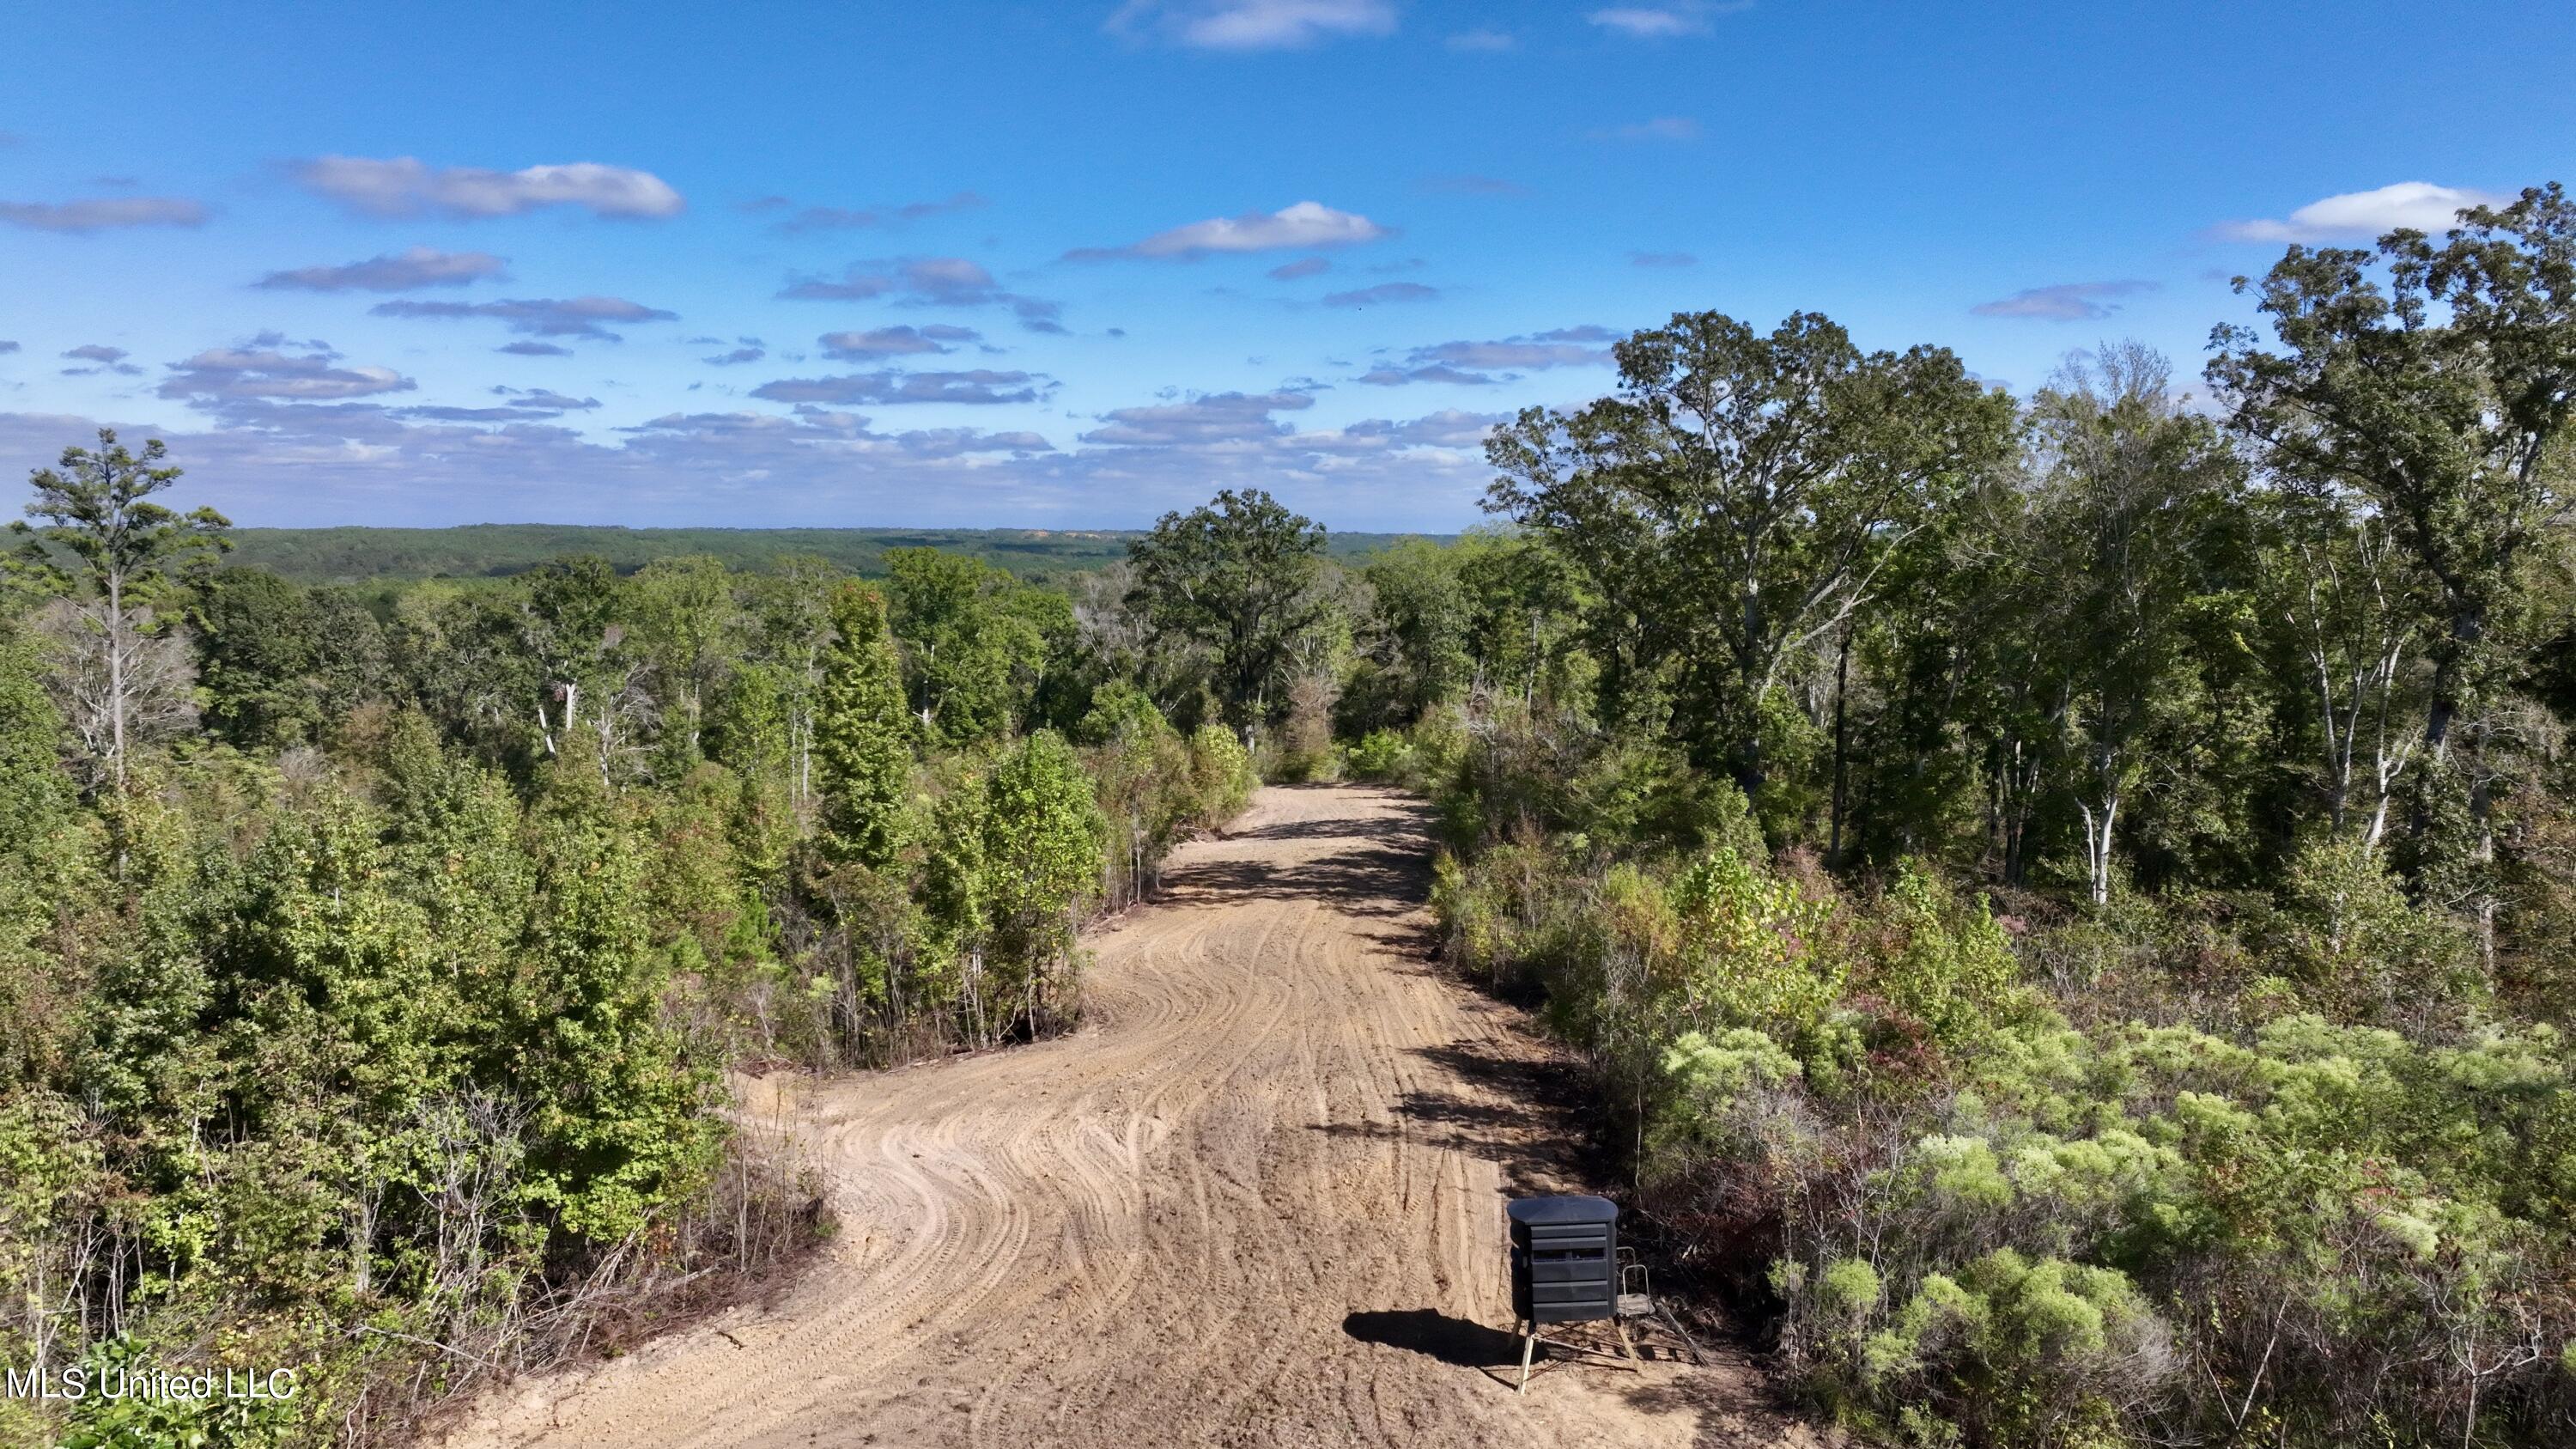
(1571, 1208)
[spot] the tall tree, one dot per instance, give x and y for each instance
(862, 734)
(791, 611)
(970, 654)
(255, 641)
(1735, 501)
(2435, 381)
(1416, 631)
(684, 611)
(1235, 576)
(34, 793)
(97, 507)
(2123, 527)
(2347, 620)
(569, 624)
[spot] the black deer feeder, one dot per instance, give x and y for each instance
(1567, 1268)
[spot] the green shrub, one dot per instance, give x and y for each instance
(1221, 776)
(1381, 754)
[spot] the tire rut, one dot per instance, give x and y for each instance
(1185, 1224)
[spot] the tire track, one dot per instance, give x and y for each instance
(1254, 1201)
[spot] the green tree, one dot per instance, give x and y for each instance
(36, 868)
(568, 628)
(862, 735)
(1016, 862)
(2436, 380)
(2126, 534)
(256, 643)
(791, 627)
(1416, 633)
(97, 508)
(34, 792)
(1737, 499)
(971, 655)
(684, 612)
(2347, 625)
(1236, 577)
(619, 1123)
(1523, 605)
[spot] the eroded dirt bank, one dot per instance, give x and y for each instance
(1256, 1200)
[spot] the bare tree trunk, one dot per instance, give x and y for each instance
(1842, 741)
(2097, 844)
(116, 675)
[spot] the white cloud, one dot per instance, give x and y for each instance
(357, 461)
(894, 341)
(976, 386)
(405, 186)
(927, 282)
(1447, 428)
(1649, 24)
(1306, 224)
(1253, 24)
(263, 370)
(1382, 293)
(1482, 364)
(103, 213)
(1225, 417)
(539, 316)
(1662, 128)
(100, 356)
(841, 218)
(2363, 215)
(1664, 22)
(2065, 302)
(392, 272)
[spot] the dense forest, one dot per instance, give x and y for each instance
(2063, 904)
(501, 550)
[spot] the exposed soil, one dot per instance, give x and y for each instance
(1256, 1200)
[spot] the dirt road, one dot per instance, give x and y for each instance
(1256, 1200)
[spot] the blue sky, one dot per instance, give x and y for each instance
(1075, 264)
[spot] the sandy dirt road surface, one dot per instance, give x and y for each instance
(1255, 1200)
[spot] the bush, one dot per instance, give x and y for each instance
(1381, 754)
(1221, 776)
(1983, 1217)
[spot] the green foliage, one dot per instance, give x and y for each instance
(1221, 775)
(975, 643)
(1734, 494)
(1234, 578)
(96, 508)
(1753, 951)
(1016, 866)
(2355, 947)
(621, 1126)
(1945, 965)
(35, 794)
(497, 551)
(862, 737)
(1381, 755)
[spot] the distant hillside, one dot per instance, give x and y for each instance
(497, 550)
